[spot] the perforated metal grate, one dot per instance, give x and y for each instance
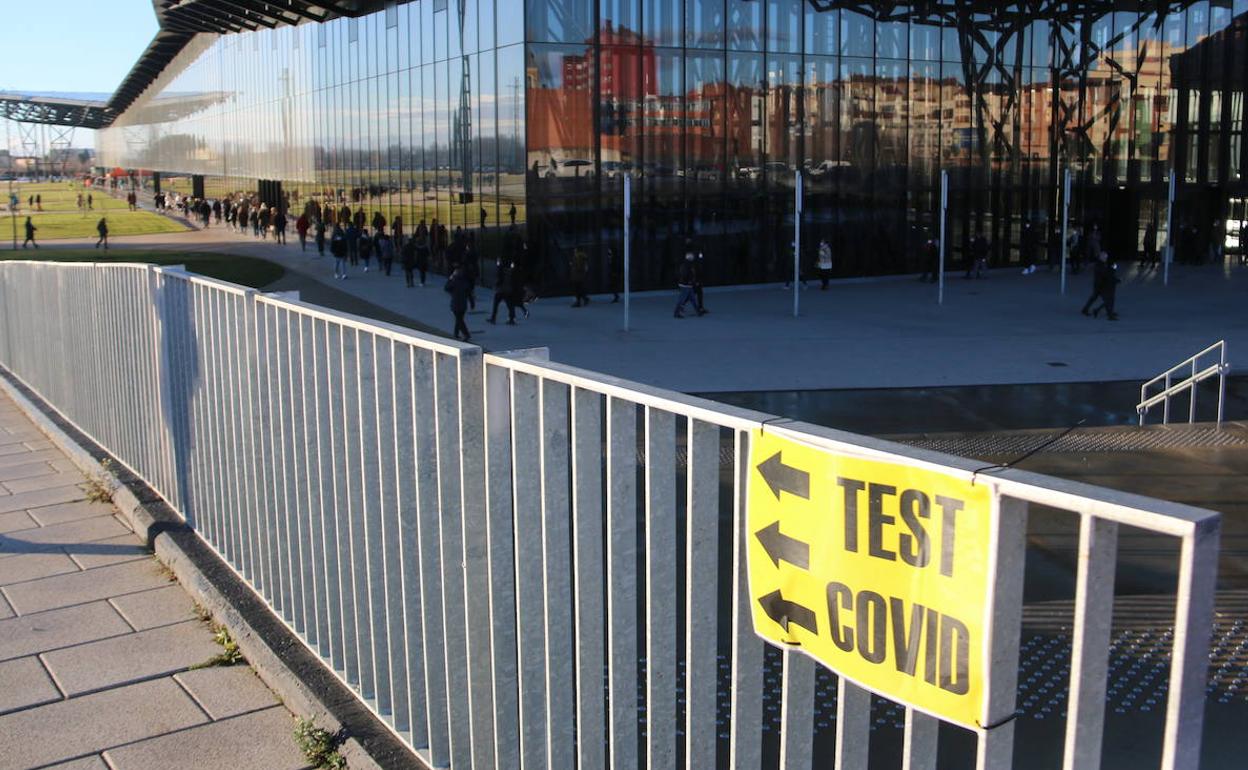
(1122, 440)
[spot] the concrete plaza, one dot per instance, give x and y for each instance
(97, 643)
(889, 332)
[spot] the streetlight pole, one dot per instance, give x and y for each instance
(628, 240)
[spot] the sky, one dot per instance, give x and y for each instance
(72, 45)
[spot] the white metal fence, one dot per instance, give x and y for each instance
(1215, 365)
(513, 562)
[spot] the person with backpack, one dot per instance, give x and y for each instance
(338, 248)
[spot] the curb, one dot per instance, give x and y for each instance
(282, 661)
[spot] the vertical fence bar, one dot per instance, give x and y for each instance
(1089, 658)
(409, 709)
(446, 382)
(476, 557)
(333, 477)
(996, 741)
(347, 456)
(375, 349)
(622, 580)
(701, 582)
(557, 557)
(530, 591)
(362, 446)
(1193, 624)
(746, 741)
(853, 725)
(503, 626)
(918, 751)
(661, 557)
(389, 361)
(428, 531)
(312, 547)
(588, 556)
(797, 713)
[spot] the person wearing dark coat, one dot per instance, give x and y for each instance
(421, 244)
(320, 238)
(279, 226)
(1104, 287)
(1150, 246)
(30, 234)
(459, 288)
(407, 257)
(504, 291)
(102, 228)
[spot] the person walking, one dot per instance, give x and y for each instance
(511, 214)
(459, 288)
(1027, 248)
(320, 237)
(279, 226)
(685, 281)
(979, 255)
(1150, 246)
(385, 252)
(30, 234)
(407, 258)
(824, 264)
(931, 261)
(353, 244)
(1104, 287)
(483, 218)
(421, 240)
(301, 228)
(338, 248)
(366, 248)
(102, 228)
(577, 273)
(504, 291)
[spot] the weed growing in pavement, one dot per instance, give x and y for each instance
(101, 486)
(230, 654)
(319, 745)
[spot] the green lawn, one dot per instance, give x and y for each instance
(245, 271)
(61, 217)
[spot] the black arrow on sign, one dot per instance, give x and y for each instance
(785, 612)
(780, 546)
(784, 478)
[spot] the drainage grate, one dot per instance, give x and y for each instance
(1123, 440)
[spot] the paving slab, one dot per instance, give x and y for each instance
(15, 449)
(26, 684)
(50, 515)
(227, 691)
(41, 497)
(47, 539)
(244, 741)
(79, 726)
(131, 658)
(113, 550)
(51, 480)
(155, 608)
(12, 522)
(30, 634)
(27, 457)
(25, 470)
(81, 587)
(42, 443)
(32, 566)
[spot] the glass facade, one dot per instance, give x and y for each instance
(463, 109)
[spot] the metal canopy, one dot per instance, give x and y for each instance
(54, 111)
(226, 16)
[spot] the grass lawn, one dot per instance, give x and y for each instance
(61, 217)
(245, 271)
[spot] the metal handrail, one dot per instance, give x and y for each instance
(1171, 389)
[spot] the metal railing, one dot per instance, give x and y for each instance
(500, 554)
(1196, 375)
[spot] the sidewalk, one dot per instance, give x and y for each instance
(97, 643)
(1007, 329)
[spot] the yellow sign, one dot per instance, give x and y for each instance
(877, 570)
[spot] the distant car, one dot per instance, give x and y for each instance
(573, 167)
